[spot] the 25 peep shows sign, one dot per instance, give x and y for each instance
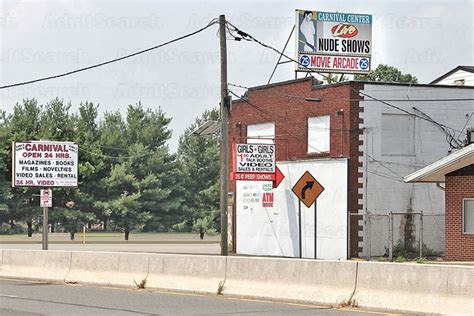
(44, 164)
(255, 158)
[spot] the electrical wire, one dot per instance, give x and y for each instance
(402, 110)
(247, 35)
(212, 22)
(383, 175)
(349, 100)
(286, 118)
(385, 167)
(449, 136)
(397, 163)
(271, 116)
(115, 157)
(467, 122)
(438, 226)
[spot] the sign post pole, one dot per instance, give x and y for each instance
(84, 234)
(46, 200)
(55, 165)
(299, 229)
(307, 189)
(315, 230)
(45, 228)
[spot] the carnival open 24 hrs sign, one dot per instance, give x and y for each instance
(333, 41)
(255, 162)
(44, 164)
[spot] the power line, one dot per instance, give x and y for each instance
(286, 118)
(115, 157)
(403, 110)
(444, 128)
(212, 22)
(350, 100)
(383, 175)
(398, 163)
(384, 166)
(271, 116)
(449, 135)
(248, 36)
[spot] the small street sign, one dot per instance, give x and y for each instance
(46, 198)
(307, 189)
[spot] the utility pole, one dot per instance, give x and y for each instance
(224, 142)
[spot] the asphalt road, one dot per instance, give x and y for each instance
(19, 297)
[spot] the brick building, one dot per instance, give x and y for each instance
(457, 172)
(377, 130)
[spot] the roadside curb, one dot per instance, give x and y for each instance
(404, 287)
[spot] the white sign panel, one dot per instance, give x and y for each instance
(45, 164)
(255, 158)
(267, 218)
(46, 198)
(333, 63)
(333, 42)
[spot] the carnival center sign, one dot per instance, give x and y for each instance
(255, 162)
(44, 164)
(333, 42)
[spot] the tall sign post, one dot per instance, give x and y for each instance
(307, 189)
(46, 201)
(224, 143)
(45, 164)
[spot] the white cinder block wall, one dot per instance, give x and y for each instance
(273, 231)
(397, 145)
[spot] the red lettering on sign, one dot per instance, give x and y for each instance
(46, 147)
(267, 199)
(344, 30)
(346, 62)
(320, 61)
(254, 176)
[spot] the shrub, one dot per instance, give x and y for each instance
(6, 229)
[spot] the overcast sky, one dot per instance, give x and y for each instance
(41, 38)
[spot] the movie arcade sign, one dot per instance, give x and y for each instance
(44, 164)
(333, 42)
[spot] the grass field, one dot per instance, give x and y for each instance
(112, 237)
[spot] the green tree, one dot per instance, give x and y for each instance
(153, 166)
(57, 123)
(199, 161)
(333, 78)
(126, 211)
(113, 146)
(127, 175)
(91, 167)
(386, 73)
(6, 214)
(142, 182)
(24, 125)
